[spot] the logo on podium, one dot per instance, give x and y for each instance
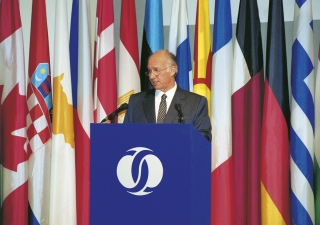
(140, 171)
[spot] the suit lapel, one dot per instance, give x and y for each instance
(172, 113)
(148, 106)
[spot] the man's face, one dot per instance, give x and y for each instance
(161, 73)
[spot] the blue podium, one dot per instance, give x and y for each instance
(149, 174)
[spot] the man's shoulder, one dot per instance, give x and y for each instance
(189, 94)
(143, 94)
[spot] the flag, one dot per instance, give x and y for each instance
(302, 116)
(317, 144)
(152, 40)
(13, 113)
(275, 197)
(202, 52)
(104, 78)
(179, 43)
(129, 80)
(39, 100)
(63, 190)
(222, 204)
(82, 98)
(247, 101)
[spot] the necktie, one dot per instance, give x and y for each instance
(162, 109)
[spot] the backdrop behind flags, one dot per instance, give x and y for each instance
(13, 112)
(129, 80)
(81, 75)
(39, 101)
(222, 194)
(63, 190)
(179, 43)
(302, 116)
(275, 199)
(247, 100)
(152, 37)
(202, 52)
(105, 88)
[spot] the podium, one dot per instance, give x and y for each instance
(149, 174)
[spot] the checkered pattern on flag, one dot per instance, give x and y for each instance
(302, 116)
(13, 113)
(39, 100)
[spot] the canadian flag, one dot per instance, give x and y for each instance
(13, 112)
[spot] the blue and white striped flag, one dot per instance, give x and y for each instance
(179, 43)
(302, 116)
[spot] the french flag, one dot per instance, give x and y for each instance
(222, 194)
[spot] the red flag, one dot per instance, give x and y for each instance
(247, 101)
(105, 93)
(13, 108)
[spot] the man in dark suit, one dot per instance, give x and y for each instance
(150, 107)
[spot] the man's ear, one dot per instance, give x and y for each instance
(173, 71)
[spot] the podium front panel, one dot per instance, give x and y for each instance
(149, 174)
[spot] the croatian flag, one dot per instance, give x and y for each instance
(13, 113)
(39, 101)
(222, 196)
(179, 43)
(302, 116)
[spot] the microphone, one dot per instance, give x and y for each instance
(178, 108)
(111, 116)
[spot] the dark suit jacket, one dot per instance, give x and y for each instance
(193, 106)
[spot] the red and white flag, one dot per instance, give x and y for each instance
(129, 79)
(104, 79)
(13, 113)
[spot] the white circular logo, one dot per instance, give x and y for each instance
(154, 171)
